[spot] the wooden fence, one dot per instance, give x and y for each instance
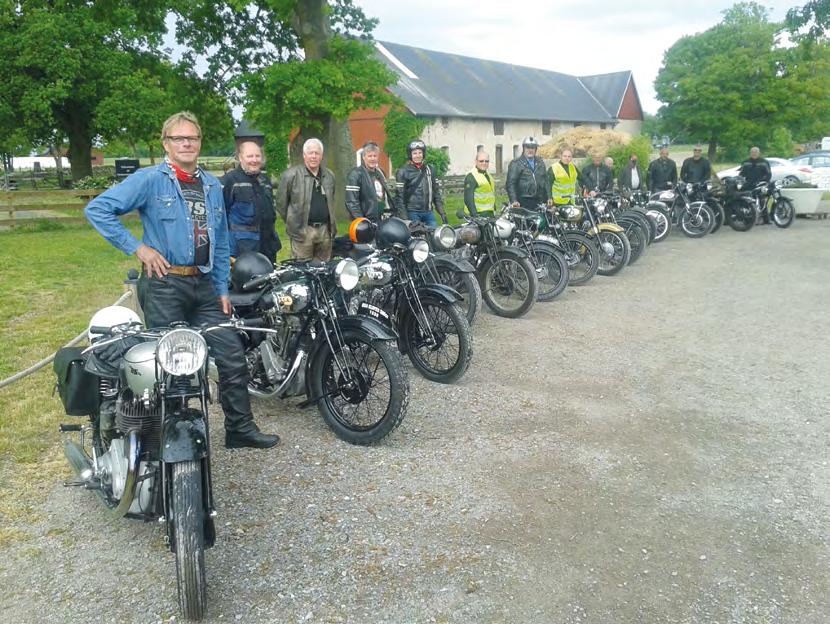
(43, 205)
(454, 184)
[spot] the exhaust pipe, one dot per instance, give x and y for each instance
(81, 462)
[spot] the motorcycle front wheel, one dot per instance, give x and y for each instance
(361, 389)
(466, 285)
(614, 252)
(187, 518)
(719, 213)
(508, 285)
(741, 217)
(440, 350)
(697, 220)
(783, 212)
(582, 255)
(662, 223)
(551, 271)
(637, 237)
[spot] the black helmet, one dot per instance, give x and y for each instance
(361, 231)
(392, 231)
(248, 265)
(530, 142)
(246, 132)
(413, 145)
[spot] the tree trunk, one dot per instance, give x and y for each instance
(713, 149)
(80, 147)
(311, 22)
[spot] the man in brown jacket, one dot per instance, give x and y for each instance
(305, 201)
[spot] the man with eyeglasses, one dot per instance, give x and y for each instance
(697, 168)
(480, 188)
(185, 259)
(367, 191)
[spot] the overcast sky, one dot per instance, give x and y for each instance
(574, 37)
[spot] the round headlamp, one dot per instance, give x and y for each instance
(347, 274)
(600, 205)
(419, 250)
(181, 352)
(444, 237)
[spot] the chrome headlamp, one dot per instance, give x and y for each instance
(444, 237)
(181, 352)
(600, 205)
(419, 249)
(347, 274)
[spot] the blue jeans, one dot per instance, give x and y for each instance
(427, 217)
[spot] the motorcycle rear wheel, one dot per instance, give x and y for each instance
(447, 358)
(551, 271)
(466, 285)
(613, 264)
(187, 518)
(508, 285)
(582, 255)
(370, 407)
(739, 220)
(636, 237)
(783, 212)
(719, 213)
(662, 222)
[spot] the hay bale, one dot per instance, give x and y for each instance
(583, 141)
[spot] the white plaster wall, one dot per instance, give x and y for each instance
(463, 135)
(631, 126)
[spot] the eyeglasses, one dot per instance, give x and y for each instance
(178, 140)
(483, 160)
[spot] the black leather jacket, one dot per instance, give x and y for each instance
(596, 177)
(696, 170)
(249, 204)
(361, 195)
(624, 179)
(413, 194)
(755, 171)
(525, 185)
(660, 173)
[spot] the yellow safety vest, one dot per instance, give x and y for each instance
(485, 193)
(564, 183)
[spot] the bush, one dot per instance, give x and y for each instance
(640, 145)
(401, 127)
(94, 182)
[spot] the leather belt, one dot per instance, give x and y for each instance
(184, 271)
(318, 223)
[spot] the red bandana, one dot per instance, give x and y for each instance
(182, 175)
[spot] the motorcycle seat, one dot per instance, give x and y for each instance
(525, 213)
(244, 300)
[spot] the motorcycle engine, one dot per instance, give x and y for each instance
(142, 417)
(112, 471)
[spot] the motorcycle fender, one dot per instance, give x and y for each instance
(459, 265)
(374, 328)
(441, 292)
(183, 438)
(552, 244)
(610, 227)
(513, 251)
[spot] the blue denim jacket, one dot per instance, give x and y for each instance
(168, 228)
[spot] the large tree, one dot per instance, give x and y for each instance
(814, 16)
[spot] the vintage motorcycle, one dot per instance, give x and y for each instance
(695, 218)
(505, 273)
(768, 198)
(299, 343)
(706, 192)
(739, 204)
(614, 246)
(146, 447)
(635, 225)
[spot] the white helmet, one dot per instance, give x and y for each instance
(110, 317)
(530, 142)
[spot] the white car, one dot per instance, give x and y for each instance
(782, 169)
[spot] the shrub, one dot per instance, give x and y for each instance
(640, 145)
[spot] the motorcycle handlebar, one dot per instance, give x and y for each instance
(256, 282)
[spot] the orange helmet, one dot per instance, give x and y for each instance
(361, 230)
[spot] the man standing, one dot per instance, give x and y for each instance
(756, 170)
(631, 178)
(662, 173)
(596, 177)
(249, 203)
(480, 188)
(367, 191)
(185, 260)
(563, 178)
(527, 180)
(305, 201)
(417, 187)
(697, 168)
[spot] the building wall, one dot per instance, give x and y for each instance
(630, 107)
(367, 125)
(461, 136)
(630, 126)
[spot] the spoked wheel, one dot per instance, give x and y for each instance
(440, 346)
(508, 285)
(551, 270)
(466, 285)
(582, 255)
(649, 227)
(741, 216)
(614, 253)
(662, 222)
(637, 237)
(783, 212)
(188, 520)
(361, 388)
(696, 220)
(719, 213)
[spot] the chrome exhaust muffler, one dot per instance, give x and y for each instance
(81, 462)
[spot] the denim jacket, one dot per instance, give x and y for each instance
(168, 228)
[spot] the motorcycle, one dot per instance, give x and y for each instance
(694, 218)
(433, 331)
(614, 246)
(739, 204)
(635, 225)
(705, 192)
(505, 273)
(297, 343)
(657, 211)
(146, 448)
(769, 200)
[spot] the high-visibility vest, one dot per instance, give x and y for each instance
(485, 193)
(564, 183)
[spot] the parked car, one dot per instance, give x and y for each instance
(814, 160)
(782, 169)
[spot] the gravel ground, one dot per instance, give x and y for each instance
(652, 447)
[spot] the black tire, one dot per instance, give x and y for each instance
(663, 223)
(720, 214)
(552, 270)
(611, 264)
(188, 523)
(783, 212)
(582, 255)
(637, 238)
(443, 352)
(740, 217)
(697, 220)
(512, 278)
(648, 226)
(466, 285)
(364, 357)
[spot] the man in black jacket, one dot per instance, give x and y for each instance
(417, 187)
(697, 168)
(249, 203)
(367, 191)
(527, 180)
(756, 170)
(596, 176)
(662, 173)
(631, 178)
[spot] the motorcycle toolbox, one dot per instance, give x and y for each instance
(78, 388)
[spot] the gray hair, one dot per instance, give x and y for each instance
(312, 142)
(371, 146)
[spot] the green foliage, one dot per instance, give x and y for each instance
(814, 15)
(94, 182)
(781, 143)
(640, 145)
(401, 127)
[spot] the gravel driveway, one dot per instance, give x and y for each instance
(652, 447)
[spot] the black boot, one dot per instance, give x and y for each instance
(251, 437)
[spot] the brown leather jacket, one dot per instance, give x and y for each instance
(293, 199)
